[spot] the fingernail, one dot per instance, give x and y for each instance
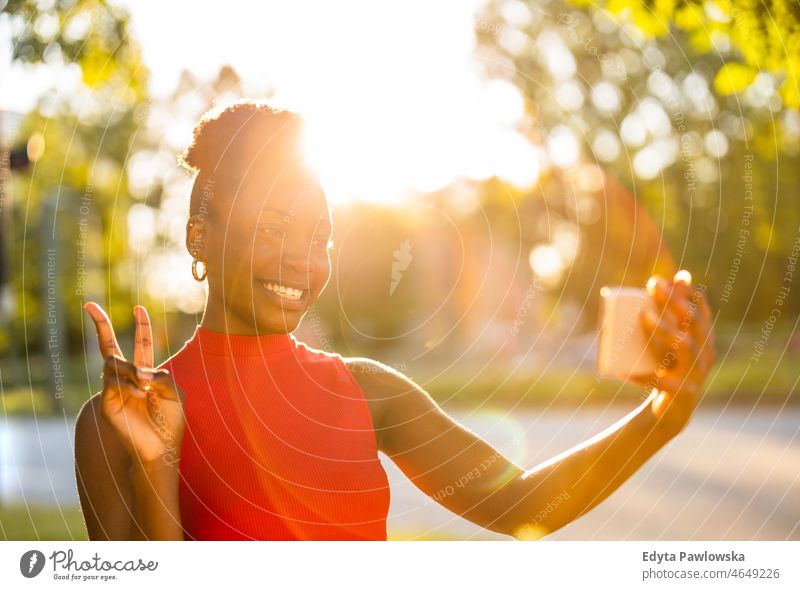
(684, 276)
(144, 380)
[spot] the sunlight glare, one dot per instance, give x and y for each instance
(563, 147)
(546, 262)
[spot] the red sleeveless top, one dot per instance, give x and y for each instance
(279, 443)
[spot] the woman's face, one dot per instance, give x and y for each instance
(269, 260)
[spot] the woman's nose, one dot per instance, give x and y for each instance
(298, 261)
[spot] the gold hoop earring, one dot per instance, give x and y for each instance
(194, 270)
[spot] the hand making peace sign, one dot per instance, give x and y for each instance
(142, 404)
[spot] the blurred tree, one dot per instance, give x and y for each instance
(642, 107)
(89, 120)
(91, 34)
(766, 33)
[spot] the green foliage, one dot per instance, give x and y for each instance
(93, 34)
(766, 32)
(733, 77)
(88, 136)
(723, 214)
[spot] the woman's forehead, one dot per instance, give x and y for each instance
(292, 195)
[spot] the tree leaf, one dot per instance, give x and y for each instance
(733, 77)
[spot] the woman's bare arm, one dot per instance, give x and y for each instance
(127, 441)
(467, 475)
(120, 500)
(102, 472)
(155, 497)
(464, 473)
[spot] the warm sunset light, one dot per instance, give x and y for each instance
(474, 270)
(384, 145)
(388, 114)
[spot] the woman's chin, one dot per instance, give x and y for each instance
(283, 321)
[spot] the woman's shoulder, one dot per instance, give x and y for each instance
(367, 366)
(375, 377)
(305, 350)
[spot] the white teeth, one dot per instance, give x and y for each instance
(285, 292)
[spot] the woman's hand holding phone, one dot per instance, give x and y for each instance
(681, 338)
(142, 404)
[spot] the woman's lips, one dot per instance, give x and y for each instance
(285, 296)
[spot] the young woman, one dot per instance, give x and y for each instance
(248, 433)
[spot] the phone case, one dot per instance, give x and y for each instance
(622, 346)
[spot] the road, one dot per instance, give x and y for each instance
(733, 474)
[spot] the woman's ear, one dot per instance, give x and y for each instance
(196, 236)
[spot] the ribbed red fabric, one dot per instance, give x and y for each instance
(279, 443)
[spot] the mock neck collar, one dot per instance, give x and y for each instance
(224, 344)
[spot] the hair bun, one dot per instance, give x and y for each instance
(247, 135)
(239, 133)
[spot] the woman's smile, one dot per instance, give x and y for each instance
(286, 296)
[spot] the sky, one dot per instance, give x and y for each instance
(392, 91)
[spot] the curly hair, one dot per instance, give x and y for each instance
(246, 137)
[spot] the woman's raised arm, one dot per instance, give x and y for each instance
(127, 442)
(464, 473)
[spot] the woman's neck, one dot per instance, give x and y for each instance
(227, 322)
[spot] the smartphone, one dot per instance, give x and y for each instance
(622, 350)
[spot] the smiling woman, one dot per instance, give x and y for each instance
(248, 433)
(258, 221)
(279, 440)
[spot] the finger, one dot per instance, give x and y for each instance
(683, 276)
(159, 382)
(687, 351)
(166, 385)
(690, 305)
(657, 289)
(660, 338)
(121, 375)
(706, 315)
(683, 305)
(674, 298)
(705, 308)
(143, 351)
(681, 343)
(105, 332)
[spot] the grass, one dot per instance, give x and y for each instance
(46, 523)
